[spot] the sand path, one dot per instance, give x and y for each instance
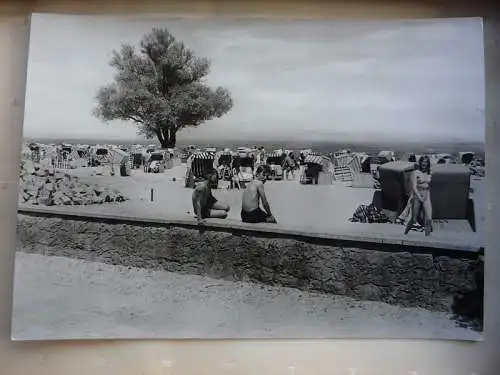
(118, 302)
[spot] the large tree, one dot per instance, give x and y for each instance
(161, 88)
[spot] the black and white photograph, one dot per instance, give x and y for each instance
(208, 178)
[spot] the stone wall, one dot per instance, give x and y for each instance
(407, 279)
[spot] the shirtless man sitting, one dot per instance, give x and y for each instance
(204, 203)
(253, 194)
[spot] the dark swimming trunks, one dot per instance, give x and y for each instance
(205, 211)
(255, 216)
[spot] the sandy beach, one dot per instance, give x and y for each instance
(307, 208)
(122, 302)
(126, 302)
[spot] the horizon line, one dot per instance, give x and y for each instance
(249, 140)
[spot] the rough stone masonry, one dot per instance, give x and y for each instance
(48, 187)
(403, 278)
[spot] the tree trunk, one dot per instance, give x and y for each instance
(173, 137)
(164, 144)
(160, 136)
(167, 136)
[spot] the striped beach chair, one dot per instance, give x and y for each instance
(199, 164)
(314, 159)
(346, 166)
(317, 160)
(273, 163)
(355, 164)
(68, 160)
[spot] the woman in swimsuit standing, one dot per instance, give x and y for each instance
(421, 196)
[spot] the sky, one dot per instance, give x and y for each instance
(289, 79)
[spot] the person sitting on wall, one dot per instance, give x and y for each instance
(252, 196)
(205, 205)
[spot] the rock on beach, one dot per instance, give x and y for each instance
(43, 185)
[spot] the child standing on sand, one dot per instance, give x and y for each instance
(235, 176)
(235, 180)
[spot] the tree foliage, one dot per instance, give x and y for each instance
(161, 88)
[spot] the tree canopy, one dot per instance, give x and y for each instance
(161, 88)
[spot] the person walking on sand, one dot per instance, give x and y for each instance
(421, 196)
(252, 196)
(205, 205)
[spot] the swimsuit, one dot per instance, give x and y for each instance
(423, 180)
(255, 216)
(205, 211)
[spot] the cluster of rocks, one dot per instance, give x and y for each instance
(42, 185)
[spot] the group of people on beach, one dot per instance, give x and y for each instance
(417, 214)
(205, 205)
(289, 164)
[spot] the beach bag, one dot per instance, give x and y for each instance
(369, 214)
